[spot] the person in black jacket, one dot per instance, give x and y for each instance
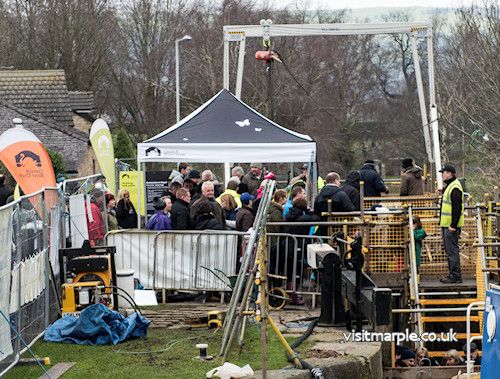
(5, 191)
(204, 218)
(374, 185)
(351, 188)
(125, 211)
(299, 212)
(340, 200)
(180, 211)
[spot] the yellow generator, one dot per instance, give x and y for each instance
(88, 276)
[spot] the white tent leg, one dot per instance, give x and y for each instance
(421, 98)
(226, 65)
(241, 62)
(139, 197)
(227, 173)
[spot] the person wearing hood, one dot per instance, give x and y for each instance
(412, 181)
(374, 185)
(331, 191)
(351, 188)
(204, 217)
(161, 219)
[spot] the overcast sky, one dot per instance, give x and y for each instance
(341, 4)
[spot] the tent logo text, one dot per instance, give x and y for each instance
(28, 159)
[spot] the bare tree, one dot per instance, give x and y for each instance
(470, 89)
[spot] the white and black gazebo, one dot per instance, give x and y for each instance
(225, 130)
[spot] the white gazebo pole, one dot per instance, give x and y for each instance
(139, 187)
(227, 173)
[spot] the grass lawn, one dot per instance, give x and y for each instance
(177, 362)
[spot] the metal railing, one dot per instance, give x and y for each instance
(178, 260)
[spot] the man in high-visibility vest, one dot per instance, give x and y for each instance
(451, 220)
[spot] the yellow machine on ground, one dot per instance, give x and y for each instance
(88, 276)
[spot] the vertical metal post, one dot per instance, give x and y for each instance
(480, 240)
(314, 181)
(435, 144)
(414, 295)
(45, 252)
(139, 189)
(430, 68)
(225, 65)
(263, 290)
(433, 115)
(177, 91)
(105, 211)
(19, 254)
(241, 62)
(421, 97)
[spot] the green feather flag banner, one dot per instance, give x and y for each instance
(102, 143)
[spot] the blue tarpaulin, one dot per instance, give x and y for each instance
(97, 325)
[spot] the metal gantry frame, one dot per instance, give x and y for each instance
(239, 34)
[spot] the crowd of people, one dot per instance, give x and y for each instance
(406, 357)
(197, 201)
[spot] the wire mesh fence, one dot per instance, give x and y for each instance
(85, 214)
(29, 233)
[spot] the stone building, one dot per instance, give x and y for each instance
(59, 118)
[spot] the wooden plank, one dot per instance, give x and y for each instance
(58, 370)
(429, 319)
(447, 301)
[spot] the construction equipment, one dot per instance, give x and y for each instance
(88, 276)
(215, 319)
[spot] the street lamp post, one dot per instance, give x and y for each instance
(177, 84)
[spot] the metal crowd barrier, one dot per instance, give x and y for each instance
(29, 235)
(287, 256)
(82, 186)
(179, 260)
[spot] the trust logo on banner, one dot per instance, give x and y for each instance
(24, 155)
(28, 158)
(102, 143)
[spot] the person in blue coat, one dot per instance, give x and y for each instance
(161, 219)
(374, 185)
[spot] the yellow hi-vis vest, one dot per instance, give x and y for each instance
(445, 220)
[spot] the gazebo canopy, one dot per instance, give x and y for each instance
(225, 129)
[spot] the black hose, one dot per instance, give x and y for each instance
(134, 305)
(128, 301)
(298, 341)
(315, 371)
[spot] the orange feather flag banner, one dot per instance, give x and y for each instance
(24, 155)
